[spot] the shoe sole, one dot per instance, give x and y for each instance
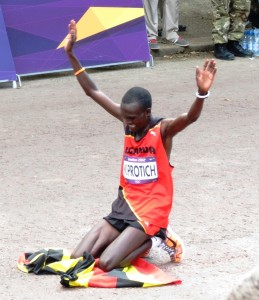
(182, 45)
(224, 58)
(241, 55)
(177, 243)
(153, 47)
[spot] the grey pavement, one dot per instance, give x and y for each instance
(60, 161)
(197, 44)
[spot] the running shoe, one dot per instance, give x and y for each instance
(181, 42)
(173, 245)
(146, 253)
(153, 44)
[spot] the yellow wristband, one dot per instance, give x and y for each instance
(79, 71)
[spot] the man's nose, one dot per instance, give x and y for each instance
(128, 121)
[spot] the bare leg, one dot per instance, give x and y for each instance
(137, 253)
(128, 246)
(96, 240)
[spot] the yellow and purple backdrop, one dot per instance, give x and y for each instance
(32, 33)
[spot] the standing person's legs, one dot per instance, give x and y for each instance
(238, 13)
(221, 25)
(221, 22)
(170, 23)
(151, 18)
(170, 19)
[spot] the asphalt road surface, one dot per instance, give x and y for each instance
(60, 159)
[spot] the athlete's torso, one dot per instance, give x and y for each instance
(146, 186)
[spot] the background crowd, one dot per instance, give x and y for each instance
(230, 19)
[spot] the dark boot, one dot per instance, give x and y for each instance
(235, 48)
(221, 52)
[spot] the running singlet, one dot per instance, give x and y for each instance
(146, 185)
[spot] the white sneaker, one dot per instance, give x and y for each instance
(173, 245)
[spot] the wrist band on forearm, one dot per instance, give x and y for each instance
(79, 71)
(202, 96)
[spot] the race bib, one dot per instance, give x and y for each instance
(140, 170)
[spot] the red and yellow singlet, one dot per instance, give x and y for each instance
(146, 185)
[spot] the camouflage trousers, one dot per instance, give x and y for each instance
(229, 19)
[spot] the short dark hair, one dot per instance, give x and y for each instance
(138, 95)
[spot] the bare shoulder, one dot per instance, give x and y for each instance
(165, 125)
(167, 121)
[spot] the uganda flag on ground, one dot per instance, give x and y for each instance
(84, 271)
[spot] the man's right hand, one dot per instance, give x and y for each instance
(71, 37)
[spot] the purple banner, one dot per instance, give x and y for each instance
(7, 69)
(109, 32)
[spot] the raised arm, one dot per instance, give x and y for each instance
(84, 79)
(204, 80)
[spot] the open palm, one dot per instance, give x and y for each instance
(205, 76)
(71, 37)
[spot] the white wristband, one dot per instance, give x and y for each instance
(202, 96)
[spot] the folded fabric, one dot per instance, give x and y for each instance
(84, 271)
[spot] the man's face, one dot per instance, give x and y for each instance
(135, 116)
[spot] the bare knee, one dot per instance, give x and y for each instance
(96, 240)
(74, 254)
(106, 263)
(87, 243)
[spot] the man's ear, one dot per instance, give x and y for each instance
(148, 112)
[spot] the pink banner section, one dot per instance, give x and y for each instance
(110, 32)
